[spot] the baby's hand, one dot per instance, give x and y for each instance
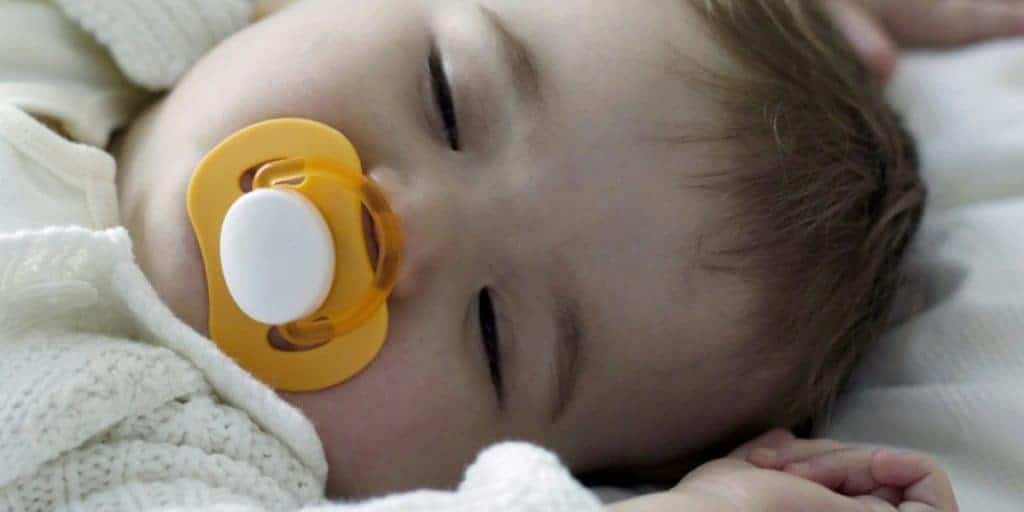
(885, 479)
(778, 473)
(876, 29)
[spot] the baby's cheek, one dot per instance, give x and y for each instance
(410, 420)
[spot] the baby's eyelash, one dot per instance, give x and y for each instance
(491, 339)
(443, 98)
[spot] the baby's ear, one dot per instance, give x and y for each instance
(911, 299)
(925, 285)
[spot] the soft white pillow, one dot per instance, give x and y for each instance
(950, 381)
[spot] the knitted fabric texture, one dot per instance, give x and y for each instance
(82, 413)
(155, 41)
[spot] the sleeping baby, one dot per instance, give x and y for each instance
(634, 240)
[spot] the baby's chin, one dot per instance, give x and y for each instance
(168, 253)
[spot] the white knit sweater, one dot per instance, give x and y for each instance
(107, 401)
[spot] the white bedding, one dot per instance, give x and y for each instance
(950, 381)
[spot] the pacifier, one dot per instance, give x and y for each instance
(289, 258)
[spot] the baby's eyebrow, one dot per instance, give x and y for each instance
(518, 57)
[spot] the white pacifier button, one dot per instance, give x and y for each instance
(277, 255)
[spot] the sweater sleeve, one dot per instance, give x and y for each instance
(85, 67)
(155, 41)
(71, 73)
(52, 70)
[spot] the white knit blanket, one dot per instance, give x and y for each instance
(951, 380)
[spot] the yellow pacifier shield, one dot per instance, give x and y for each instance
(316, 161)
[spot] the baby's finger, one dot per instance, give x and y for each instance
(866, 36)
(924, 482)
(847, 471)
(948, 22)
(767, 441)
(793, 451)
(889, 494)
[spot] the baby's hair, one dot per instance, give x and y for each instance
(826, 191)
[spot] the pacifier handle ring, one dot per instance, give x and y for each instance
(308, 333)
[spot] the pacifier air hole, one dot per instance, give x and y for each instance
(279, 342)
(245, 181)
(370, 232)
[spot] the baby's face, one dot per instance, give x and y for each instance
(550, 289)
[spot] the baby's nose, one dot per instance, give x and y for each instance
(425, 215)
